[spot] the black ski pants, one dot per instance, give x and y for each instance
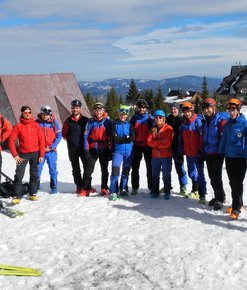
(138, 152)
(214, 166)
(91, 159)
(236, 169)
(32, 159)
(75, 155)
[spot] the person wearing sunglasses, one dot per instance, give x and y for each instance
(123, 135)
(190, 143)
(160, 140)
(97, 144)
(174, 119)
(142, 122)
(31, 150)
(53, 135)
(233, 146)
(212, 130)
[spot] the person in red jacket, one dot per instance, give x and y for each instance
(5, 131)
(190, 143)
(161, 142)
(31, 150)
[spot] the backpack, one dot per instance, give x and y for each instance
(7, 189)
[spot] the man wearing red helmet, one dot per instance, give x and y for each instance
(212, 131)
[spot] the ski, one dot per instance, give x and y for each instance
(12, 213)
(8, 270)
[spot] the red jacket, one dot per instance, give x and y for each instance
(5, 130)
(30, 137)
(161, 142)
(191, 136)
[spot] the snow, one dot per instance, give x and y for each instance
(133, 243)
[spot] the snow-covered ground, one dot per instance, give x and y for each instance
(133, 243)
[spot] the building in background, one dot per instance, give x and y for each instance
(56, 90)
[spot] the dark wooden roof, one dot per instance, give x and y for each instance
(56, 90)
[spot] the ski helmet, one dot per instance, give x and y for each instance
(46, 109)
(187, 106)
(208, 102)
(142, 104)
(76, 103)
(233, 103)
(98, 106)
(123, 109)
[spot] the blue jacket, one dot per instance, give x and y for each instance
(122, 136)
(234, 139)
(212, 132)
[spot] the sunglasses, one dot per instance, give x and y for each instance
(27, 113)
(231, 106)
(123, 111)
(186, 109)
(159, 117)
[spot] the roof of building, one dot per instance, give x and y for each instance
(56, 90)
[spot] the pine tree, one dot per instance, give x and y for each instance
(133, 94)
(90, 102)
(158, 100)
(112, 104)
(204, 93)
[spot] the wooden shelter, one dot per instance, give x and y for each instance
(56, 90)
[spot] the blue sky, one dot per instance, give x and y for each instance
(140, 39)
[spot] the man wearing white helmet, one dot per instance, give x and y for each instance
(53, 135)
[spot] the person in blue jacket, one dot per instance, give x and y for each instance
(233, 146)
(53, 136)
(123, 137)
(213, 124)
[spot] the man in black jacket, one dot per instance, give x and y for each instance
(174, 120)
(73, 132)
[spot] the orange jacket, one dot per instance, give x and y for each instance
(30, 137)
(5, 131)
(161, 141)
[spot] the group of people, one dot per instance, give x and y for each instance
(212, 137)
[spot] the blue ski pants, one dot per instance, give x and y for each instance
(196, 174)
(125, 159)
(51, 159)
(164, 165)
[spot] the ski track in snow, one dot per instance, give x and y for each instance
(133, 243)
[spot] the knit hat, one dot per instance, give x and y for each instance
(175, 105)
(24, 108)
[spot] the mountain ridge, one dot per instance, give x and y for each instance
(100, 89)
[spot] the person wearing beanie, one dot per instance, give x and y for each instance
(53, 135)
(233, 146)
(160, 140)
(142, 122)
(97, 145)
(31, 150)
(174, 119)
